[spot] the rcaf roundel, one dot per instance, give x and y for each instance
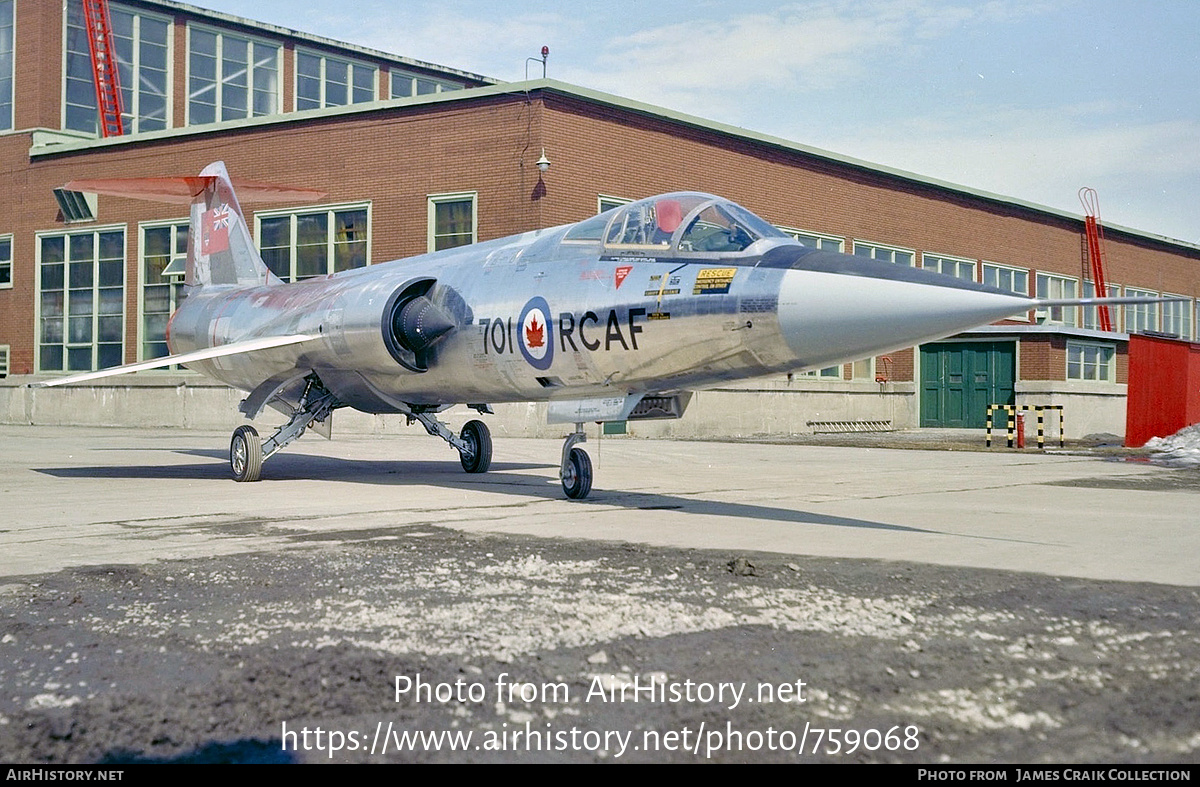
(535, 335)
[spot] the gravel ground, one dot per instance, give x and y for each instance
(527, 644)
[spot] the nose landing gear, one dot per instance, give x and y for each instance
(576, 468)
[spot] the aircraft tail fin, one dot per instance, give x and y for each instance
(220, 247)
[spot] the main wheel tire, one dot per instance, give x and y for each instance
(245, 454)
(577, 480)
(476, 435)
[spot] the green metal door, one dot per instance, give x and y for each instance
(960, 379)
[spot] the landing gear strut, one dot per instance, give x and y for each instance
(247, 451)
(576, 468)
(474, 442)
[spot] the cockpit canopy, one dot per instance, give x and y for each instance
(683, 222)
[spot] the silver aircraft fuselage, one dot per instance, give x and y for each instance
(623, 303)
(616, 317)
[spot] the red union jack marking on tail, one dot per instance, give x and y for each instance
(215, 227)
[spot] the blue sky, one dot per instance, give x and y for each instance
(1024, 98)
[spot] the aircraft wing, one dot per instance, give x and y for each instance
(235, 348)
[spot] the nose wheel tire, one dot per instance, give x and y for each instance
(245, 454)
(577, 474)
(479, 440)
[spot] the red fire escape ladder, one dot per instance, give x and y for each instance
(104, 67)
(1095, 251)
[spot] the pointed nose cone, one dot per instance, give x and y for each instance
(835, 307)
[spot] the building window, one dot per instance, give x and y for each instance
(323, 81)
(1002, 277)
(884, 253)
(162, 293)
(405, 84)
(1087, 361)
(1052, 287)
(301, 244)
(141, 41)
(81, 300)
(230, 77)
(605, 202)
(828, 373)
(452, 220)
(863, 370)
(4, 350)
(1141, 317)
(5, 261)
(6, 64)
(816, 240)
(1091, 314)
(958, 267)
(1177, 317)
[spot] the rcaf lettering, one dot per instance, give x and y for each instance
(568, 327)
(619, 328)
(582, 322)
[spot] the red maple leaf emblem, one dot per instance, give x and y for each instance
(535, 335)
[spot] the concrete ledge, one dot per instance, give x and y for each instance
(772, 406)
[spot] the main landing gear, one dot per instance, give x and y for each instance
(474, 442)
(247, 451)
(576, 468)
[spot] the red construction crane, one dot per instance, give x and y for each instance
(1095, 251)
(104, 67)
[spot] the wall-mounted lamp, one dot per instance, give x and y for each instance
(543, 163)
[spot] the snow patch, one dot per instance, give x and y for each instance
(1181, 449)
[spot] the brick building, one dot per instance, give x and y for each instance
(415, 156)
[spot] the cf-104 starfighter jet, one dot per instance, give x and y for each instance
(617, 317)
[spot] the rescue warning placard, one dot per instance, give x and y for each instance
(713, 281)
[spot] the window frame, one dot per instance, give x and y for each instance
(824, 373)
(66, 289)
(323, 79)
(7, 263)
(8, 120)
(415, 80)
(999, 267)
(130, 114)
(869, 368)
(877, 247)
(5, 360)
(1089, 316)
(176, 287)
(612, 202)
(1109, 364)
(219, 81)
(331, 234)
(1186, 310)
(1047, 316)
(818, 238)
(1133, 311)
(955, 260)
(433, 200)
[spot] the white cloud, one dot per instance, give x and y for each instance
(1047, 156)
(495, 46)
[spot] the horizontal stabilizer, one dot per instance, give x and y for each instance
(184, 190)
(236, 348)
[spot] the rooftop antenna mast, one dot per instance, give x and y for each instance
(545, 54)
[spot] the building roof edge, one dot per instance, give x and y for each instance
(609, 99)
